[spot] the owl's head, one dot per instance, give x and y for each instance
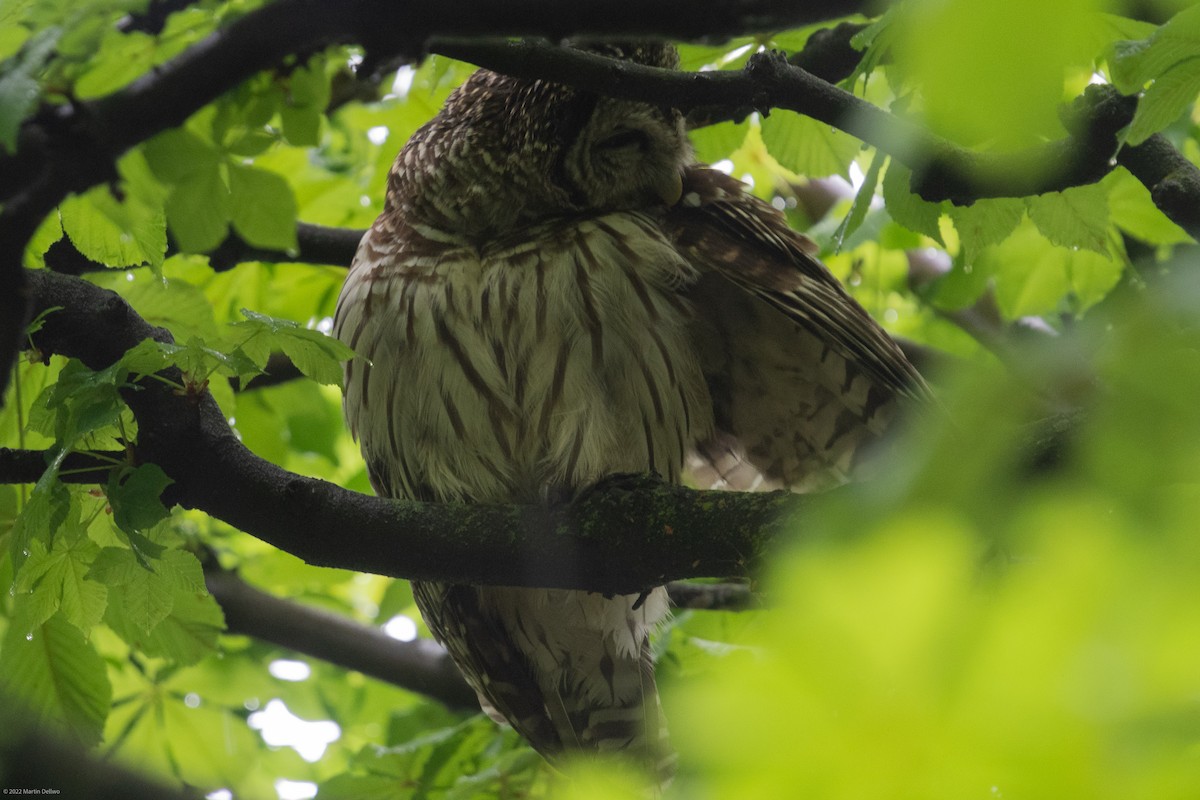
(506, 153)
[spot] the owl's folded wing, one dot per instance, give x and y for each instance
(800, 375)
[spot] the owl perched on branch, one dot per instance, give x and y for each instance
(556, 292)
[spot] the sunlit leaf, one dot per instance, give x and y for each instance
(986, 222)
(1134, 63)
(59, 676)
(185, 635)
(715, 142)
(1166, 100)
(114, 233)
(60, 576)
(1133, 210)
(137, 590)
(806, 146)
(315, 354)
(1075, 218)
(906, 208)
(126, 56)
(263, 208)
(1014, 54)
(198, 211)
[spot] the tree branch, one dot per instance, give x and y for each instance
(317, 244)
(628, 535)
(420, 666)
(26, 466)
(713, 596)
(941, 169)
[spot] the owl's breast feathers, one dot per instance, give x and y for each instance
(543, 361)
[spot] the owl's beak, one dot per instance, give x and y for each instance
(670, 188)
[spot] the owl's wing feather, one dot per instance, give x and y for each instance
(800, 374)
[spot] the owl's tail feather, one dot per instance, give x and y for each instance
(572, 672)
(636, 727)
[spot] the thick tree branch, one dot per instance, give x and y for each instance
(1173, 180)
(317, 244)
(421, 666)
(629, 535)
(941, 169)
(26, 466)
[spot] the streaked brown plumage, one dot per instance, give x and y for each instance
(554, 293)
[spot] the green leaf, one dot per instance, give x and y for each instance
(123, 57)
(49, 507)
(315, 354)
(1031, 274)
(12, 37)
(115, 566)
(58, 580)
(186, 635)
(985, 223)
(1165, 101)
(318, 356)
(264, 208)
(806, 146)
(198, 211)
(179, 155)
(993, 72)
(1091, 277)
(49, 232)
(307, 98)
(1133, 210)
(862, 201)
(140, 594)
(197, 360)
(115, 233)
(1137, 62)
(358, 787)
(145, 358)
(59, 676)
(913, 212)
(182, 570)
(205, 743)
(82, 402)
(716, 142)
(133, 493)
(1034, 276)
(1077, 217)
(18, 87)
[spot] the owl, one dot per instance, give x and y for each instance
(554, 293)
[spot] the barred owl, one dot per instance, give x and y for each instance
(554, 293)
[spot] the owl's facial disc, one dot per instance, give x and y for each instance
(628, 156)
